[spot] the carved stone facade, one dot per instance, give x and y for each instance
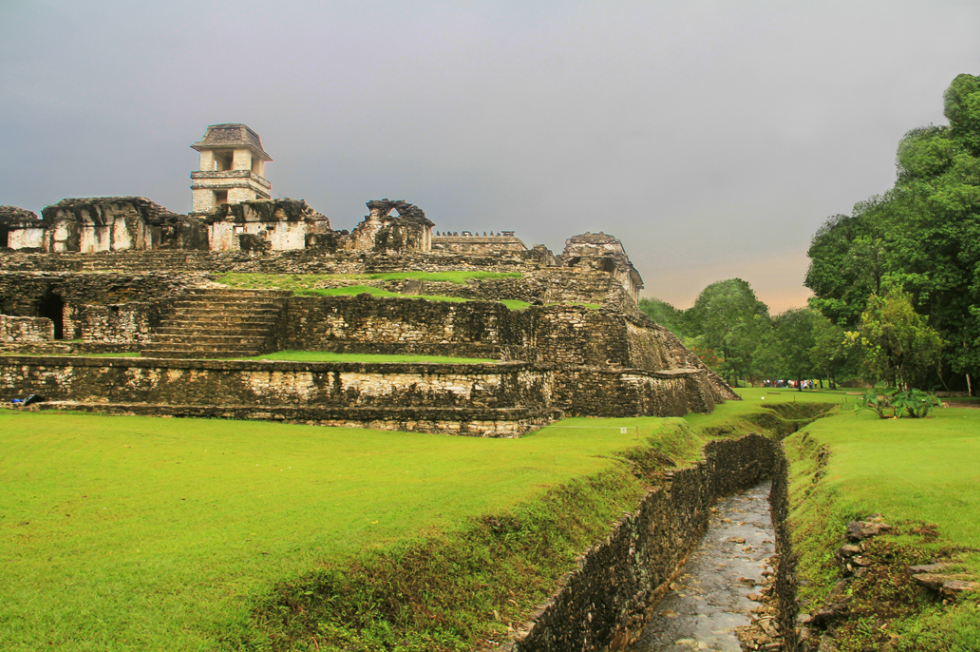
(20, 229)
(267, 225)
(117, 224)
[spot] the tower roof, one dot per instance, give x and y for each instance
(231, 135)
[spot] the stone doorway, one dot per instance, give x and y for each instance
(52, 306)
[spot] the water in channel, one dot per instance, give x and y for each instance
(709, 599)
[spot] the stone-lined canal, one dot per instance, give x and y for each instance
(710, 598)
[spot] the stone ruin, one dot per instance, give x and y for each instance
(123, 274)
(232, 168)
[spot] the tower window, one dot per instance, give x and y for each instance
(222, 161)
(220, 197)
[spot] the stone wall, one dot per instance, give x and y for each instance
(405, 396)
(102, 224)
(20, 292)
(123, 310)
(482, 245)
(590, 391)
(785, 584)
(368, 324)
(556, 334)
(302, 261)
(652, 344)
(127, 324)
(534, 285)
(25, 329)
(20, 229)
(605, 253)
(242, 382)
(606, 601)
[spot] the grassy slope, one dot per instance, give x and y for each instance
(911, 472)
(141, 533)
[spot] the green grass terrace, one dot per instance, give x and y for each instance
(355, 284)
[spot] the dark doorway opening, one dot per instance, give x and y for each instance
(52, 306)
(4, 236)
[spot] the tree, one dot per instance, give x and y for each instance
(729, 319)
(831, 354)
(961, 106)
(794, 341)
(847, 261)
(922, 235)
(935, 245)
(899, 345)
(665, 314)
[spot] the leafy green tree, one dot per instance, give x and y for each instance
(899, 344)
(923, 235)
(766, 360)
(934, 244)
(794, 342)
(665, 314)
(729, 319)
(847, 261)
(961, 105)
(831, 354)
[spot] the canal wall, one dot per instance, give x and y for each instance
(784, 587)
(607, 600)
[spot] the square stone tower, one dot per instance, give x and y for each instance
(232, 168)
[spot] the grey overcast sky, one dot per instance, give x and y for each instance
(712, 137)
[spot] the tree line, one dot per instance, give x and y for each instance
(732, 332)
(896, 283)
(918, 243)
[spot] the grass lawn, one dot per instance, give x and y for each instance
(131, 533)
(329, 356)
(354, 290)
(307, 284)
(912, 472)
(457, 277)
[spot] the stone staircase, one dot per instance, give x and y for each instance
(219, 324)
(136, 261)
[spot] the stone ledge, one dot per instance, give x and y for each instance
(477, 422)
(432, 368)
